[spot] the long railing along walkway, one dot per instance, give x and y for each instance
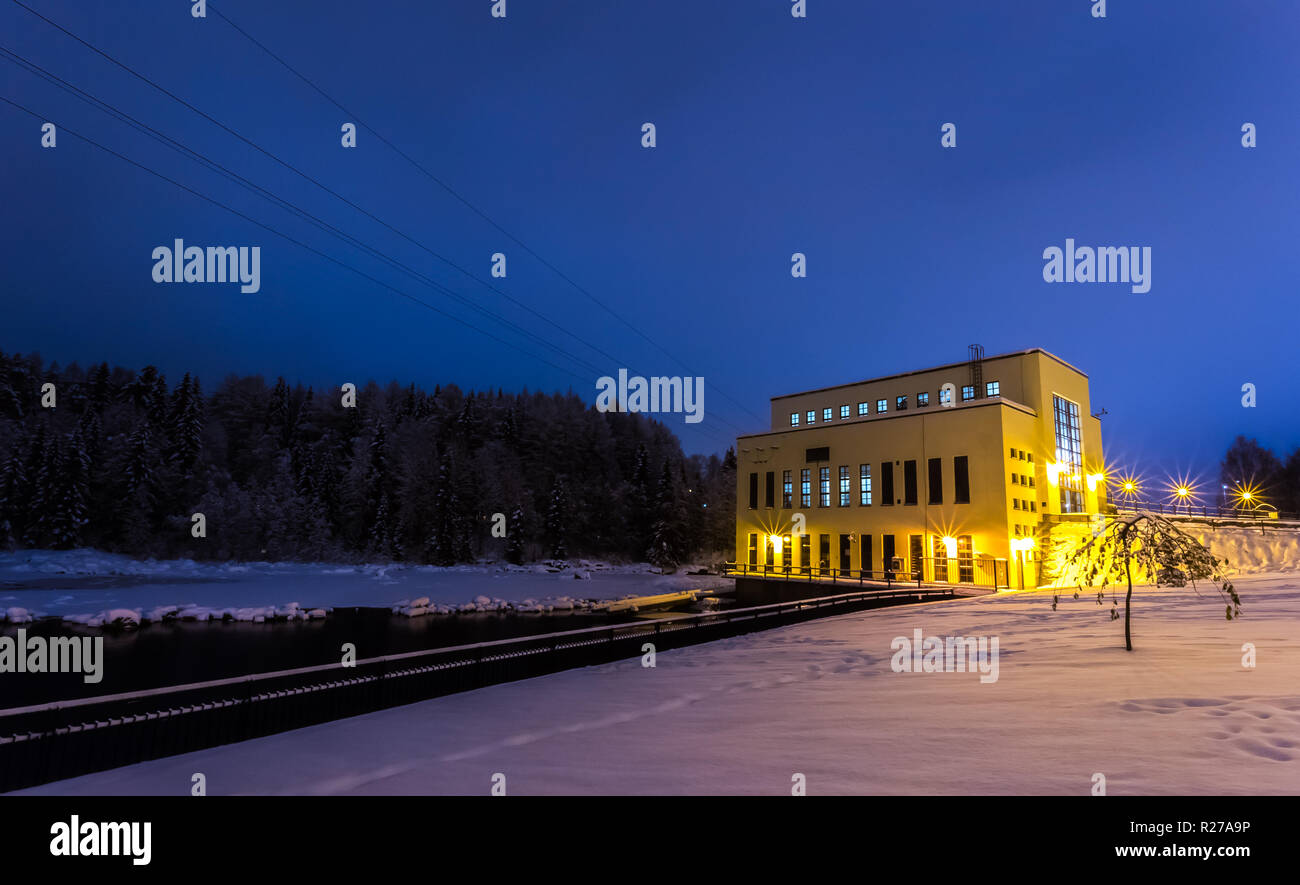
(46, 742)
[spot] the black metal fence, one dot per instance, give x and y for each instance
(974, 571)
(47, 742)
(1258, 513)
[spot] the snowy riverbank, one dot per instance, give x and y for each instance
(91, 587)
(1179, 715)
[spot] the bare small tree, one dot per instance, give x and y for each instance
(1161, 552)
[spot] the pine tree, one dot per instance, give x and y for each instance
(445, 542)
(35, 507)
(515, 538)
(670, 543)
(71, 491)
(100, 388)
(15, 491)
(557, 520)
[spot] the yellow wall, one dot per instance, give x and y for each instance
(985, 430)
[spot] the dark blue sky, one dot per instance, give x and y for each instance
(775, 135)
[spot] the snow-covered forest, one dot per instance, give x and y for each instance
(124, 459)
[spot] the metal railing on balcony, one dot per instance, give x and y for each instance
(977, 571)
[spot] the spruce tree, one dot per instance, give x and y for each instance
(557, 520)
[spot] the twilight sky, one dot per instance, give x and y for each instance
(775, 135)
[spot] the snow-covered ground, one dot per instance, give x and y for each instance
(1179, 715)
(83, 585)
(1251, 551)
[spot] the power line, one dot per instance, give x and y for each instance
(458, 197)
(268, 195)
(343, 199)
(64, 129)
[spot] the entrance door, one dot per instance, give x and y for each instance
(824, 553)
(846, 555)
(886, 555)
(917, 552)
(867, 564)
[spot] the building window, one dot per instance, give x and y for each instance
(844, 412)
(812, 417)
(945, 396)
(1069, 453)
(805, 551)
(787, 491)
(846, 487)
(753, 548)
(940, 553)
(769, 490)
(992, 388)
(1031, 482)
(1015, 479)
(1033, 507)
(887, 483)
(936, 480)
(1029, 456)
(794, 419)
(862, 409)
(824, 488)
(909, 482)
(965, 560)
(967, 392)
(826, 414)
(961, 480)
(864, 485)
(769, 555)
(900, 403)
(922, 399)
(881, 406)
(1015, 503)
(787, 552)
(753, 491)
(805, 487)
(1012, 456)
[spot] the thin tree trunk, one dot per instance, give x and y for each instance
(1128, 599)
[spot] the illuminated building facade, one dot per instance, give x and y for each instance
(964, 472)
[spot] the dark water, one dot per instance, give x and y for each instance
(175, 653)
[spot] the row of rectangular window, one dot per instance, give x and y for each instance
(773, 556)
(844, 489)
(992, 388)
(1022, 455)
(1022, 504)
(1020, 479)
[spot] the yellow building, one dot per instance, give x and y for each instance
(966, 472)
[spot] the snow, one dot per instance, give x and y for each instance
(1179, 715)
(82, 585)
(1251, 551)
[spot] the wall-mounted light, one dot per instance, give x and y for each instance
(950, 546)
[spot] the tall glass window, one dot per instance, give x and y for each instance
(787, 490)
(864, 485)
(805, 487)
(846, 487)
(824, 489)
(794, 419)
(812, 417)
(1069, 454)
